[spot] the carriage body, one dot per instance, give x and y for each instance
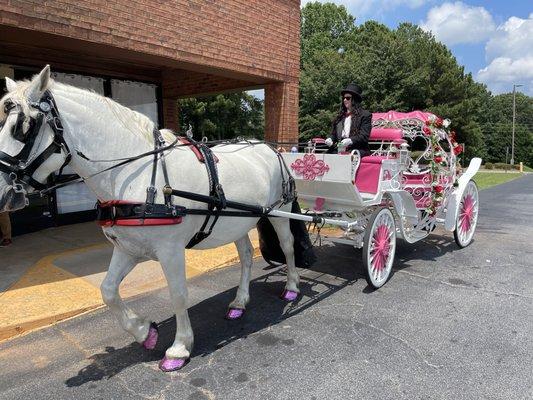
(394, 192)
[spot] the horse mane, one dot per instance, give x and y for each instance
(142, 125)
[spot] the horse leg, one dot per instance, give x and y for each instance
(121, 264)
(173, 263)
(246, 253)
(286, 241)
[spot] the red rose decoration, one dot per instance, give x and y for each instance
(438, 159)
(426, 130)
(428, 122)
(458, 149)
(452, 136)
(439, 189)
(438, 122)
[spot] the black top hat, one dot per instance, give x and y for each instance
(354, 90)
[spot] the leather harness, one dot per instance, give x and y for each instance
(126, 213)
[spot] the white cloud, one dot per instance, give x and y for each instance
(454, 23)
(512, 39)
(510, 56)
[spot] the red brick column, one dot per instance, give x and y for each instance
(281, 112)
(170, 114)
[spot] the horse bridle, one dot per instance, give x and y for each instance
(20, 168)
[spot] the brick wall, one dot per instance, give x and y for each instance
(281, 107)
(199, 46)
(255, 37)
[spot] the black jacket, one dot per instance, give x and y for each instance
(359, 132)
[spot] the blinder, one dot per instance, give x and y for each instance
(19, 168)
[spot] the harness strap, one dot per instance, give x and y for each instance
(124, 213)
(215, 191)
(25, 153)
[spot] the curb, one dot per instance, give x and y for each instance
(49, 293)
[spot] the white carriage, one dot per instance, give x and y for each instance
(391, 193)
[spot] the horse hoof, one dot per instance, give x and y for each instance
(234, 313)
(172, 364)
(289, 295)
(151, 340)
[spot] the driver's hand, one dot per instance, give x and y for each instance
(346, 142)
(329, 142)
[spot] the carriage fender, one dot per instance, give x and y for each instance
(455, 197)
(404, 205)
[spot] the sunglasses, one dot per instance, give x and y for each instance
(347, 97)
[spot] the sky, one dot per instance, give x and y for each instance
(493, 39)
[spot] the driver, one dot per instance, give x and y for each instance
(351, 128)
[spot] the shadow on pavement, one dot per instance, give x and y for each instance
(338, 266)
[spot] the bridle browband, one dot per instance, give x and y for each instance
(20, 168)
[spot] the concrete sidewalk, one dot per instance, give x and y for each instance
(54, 274)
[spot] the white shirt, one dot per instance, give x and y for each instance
(347, 126)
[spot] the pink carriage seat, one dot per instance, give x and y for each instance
(391, 135)
(386, 134)
(367, 176)
(419, 186)
(416, 179)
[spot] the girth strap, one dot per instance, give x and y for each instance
(215, 190)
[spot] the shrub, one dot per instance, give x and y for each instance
(489, 165)
(504, 166)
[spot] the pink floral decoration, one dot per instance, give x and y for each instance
(309, 167)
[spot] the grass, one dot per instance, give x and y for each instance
(527, 169)
(488, 179)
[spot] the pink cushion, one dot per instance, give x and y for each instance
(373, 159)
(388, 134)
(398, 116)
(367, 177)
(416, 179)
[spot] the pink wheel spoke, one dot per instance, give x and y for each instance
(467, 213)
(380, 248)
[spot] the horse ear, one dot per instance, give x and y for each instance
(11, 85)
(39, 84)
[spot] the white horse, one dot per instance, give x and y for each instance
(102, 129)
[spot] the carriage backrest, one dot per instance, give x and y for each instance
(385, 134)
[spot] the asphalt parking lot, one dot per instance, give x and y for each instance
(450, 324)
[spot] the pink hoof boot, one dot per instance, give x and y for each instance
(151, 340)
(171, 364)
(234, 313)
(289, 295)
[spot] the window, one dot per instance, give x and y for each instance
(138, 96)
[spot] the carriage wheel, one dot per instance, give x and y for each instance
(466, 220)
(379, 247)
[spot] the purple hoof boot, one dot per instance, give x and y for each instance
(234, 313)
(172, 364)
(151, 340)
(289, 295)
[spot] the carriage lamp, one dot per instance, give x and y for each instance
(404, 154)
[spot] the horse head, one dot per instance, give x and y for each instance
(31, 141)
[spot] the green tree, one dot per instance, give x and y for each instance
(403, 69)
(498, 124)
(223, 116)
